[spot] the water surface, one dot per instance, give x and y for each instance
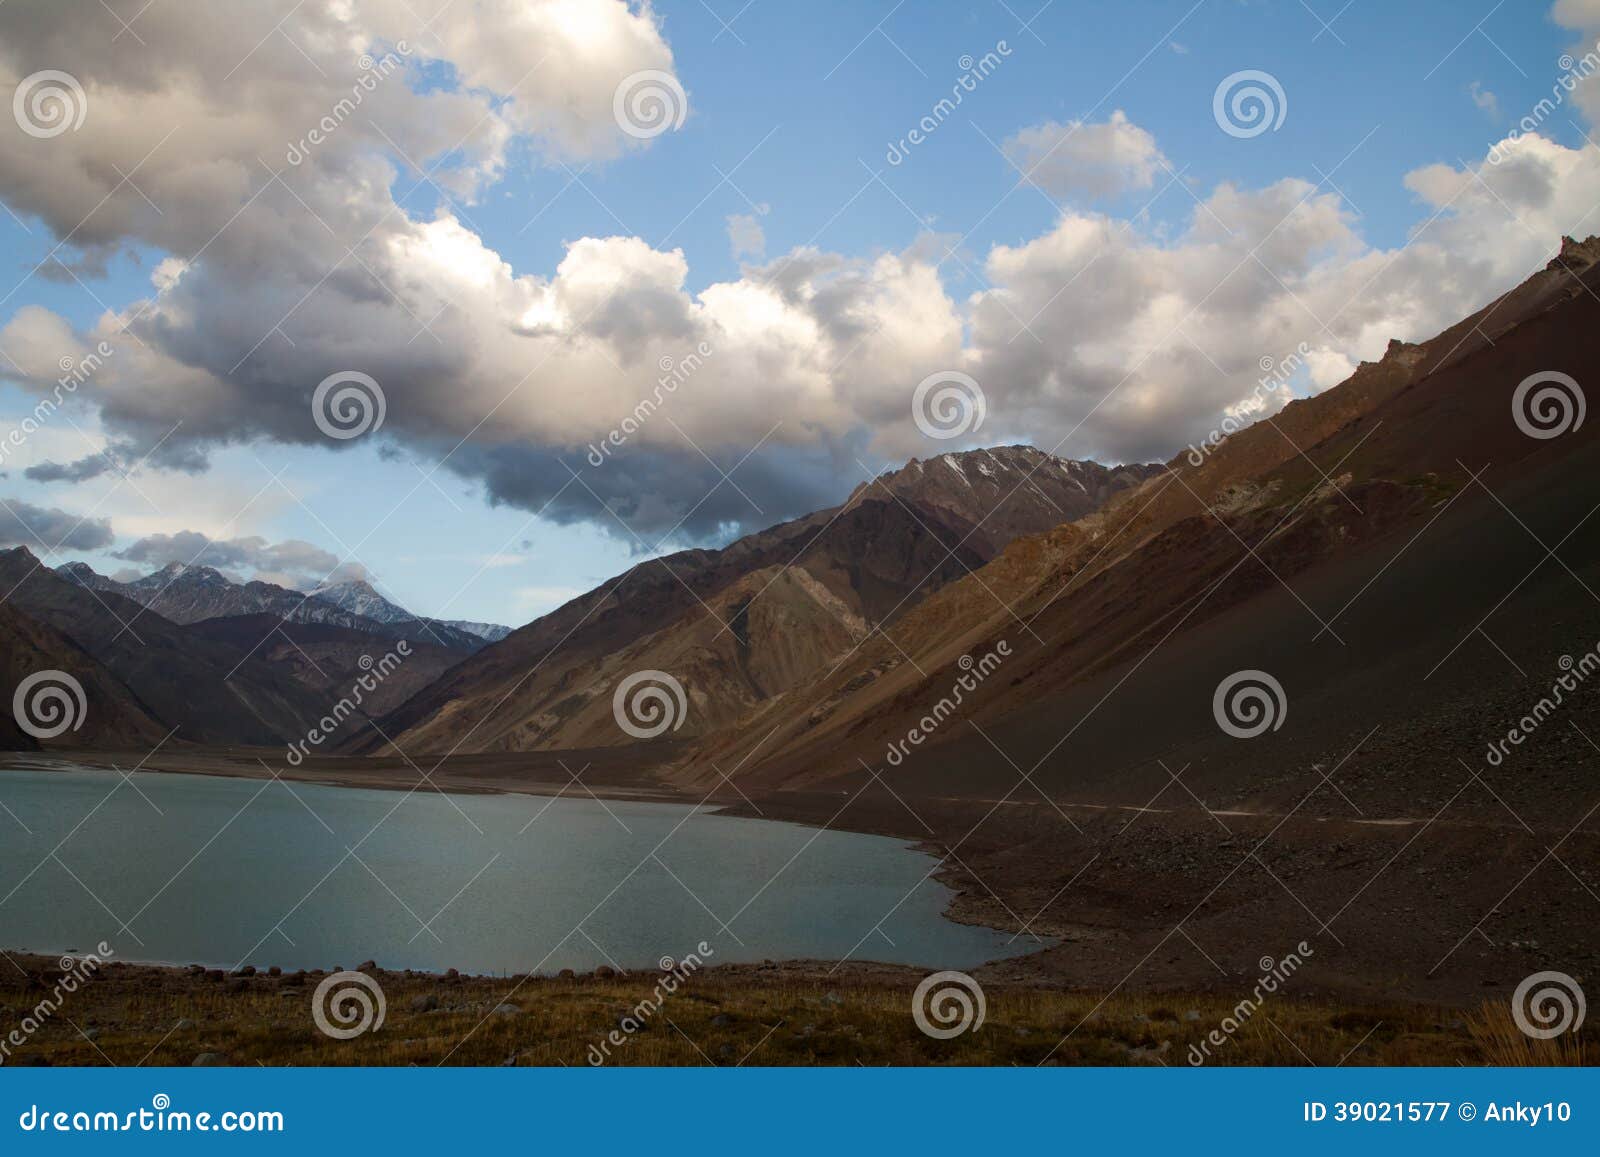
(191, 868)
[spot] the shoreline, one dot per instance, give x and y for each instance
(380, 773)
(1150, 900)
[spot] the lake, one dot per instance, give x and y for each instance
(225, 872)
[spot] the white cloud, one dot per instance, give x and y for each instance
(1328, 367)
(291, 563)
(1076, 159)
(1132, 340)
(746, 237)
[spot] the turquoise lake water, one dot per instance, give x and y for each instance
(224, 872)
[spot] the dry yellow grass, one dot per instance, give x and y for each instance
(776, 1016)
(1503, 1043)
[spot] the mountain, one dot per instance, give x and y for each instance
(213, 693)
(236, 679)
(189, 594)
(1398, 552)
(192, 594)
(488, 632)
(359, 598)
(111, 715)
(1005, 492)
(329, 659)
(758, 617)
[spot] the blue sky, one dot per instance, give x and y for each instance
(791, 110)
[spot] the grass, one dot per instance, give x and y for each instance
(130, 1015)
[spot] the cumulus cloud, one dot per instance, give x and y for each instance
(1172, 330)
(746, 237)
(46, 530)
(1078, 159)
(291, 563)
(1101, 337)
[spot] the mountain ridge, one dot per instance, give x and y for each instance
(897, 537)
(190, 593)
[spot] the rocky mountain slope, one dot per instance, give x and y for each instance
(111, 715)
(898, 538)
(329, 659)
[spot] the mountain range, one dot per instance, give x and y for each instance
(187, 651)
(1303, 544)
(186, 593)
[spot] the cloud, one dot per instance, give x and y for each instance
(1087, 160)
(1485, 100)
(291, 563)
(746, 237)
(1582, 17)
(1102, 336)
(1173, 327)
(80, 470)
(46, 530)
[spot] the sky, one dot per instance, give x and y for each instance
(487, 300)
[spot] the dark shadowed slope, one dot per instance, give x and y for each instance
(329, 659)
(111, 715)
